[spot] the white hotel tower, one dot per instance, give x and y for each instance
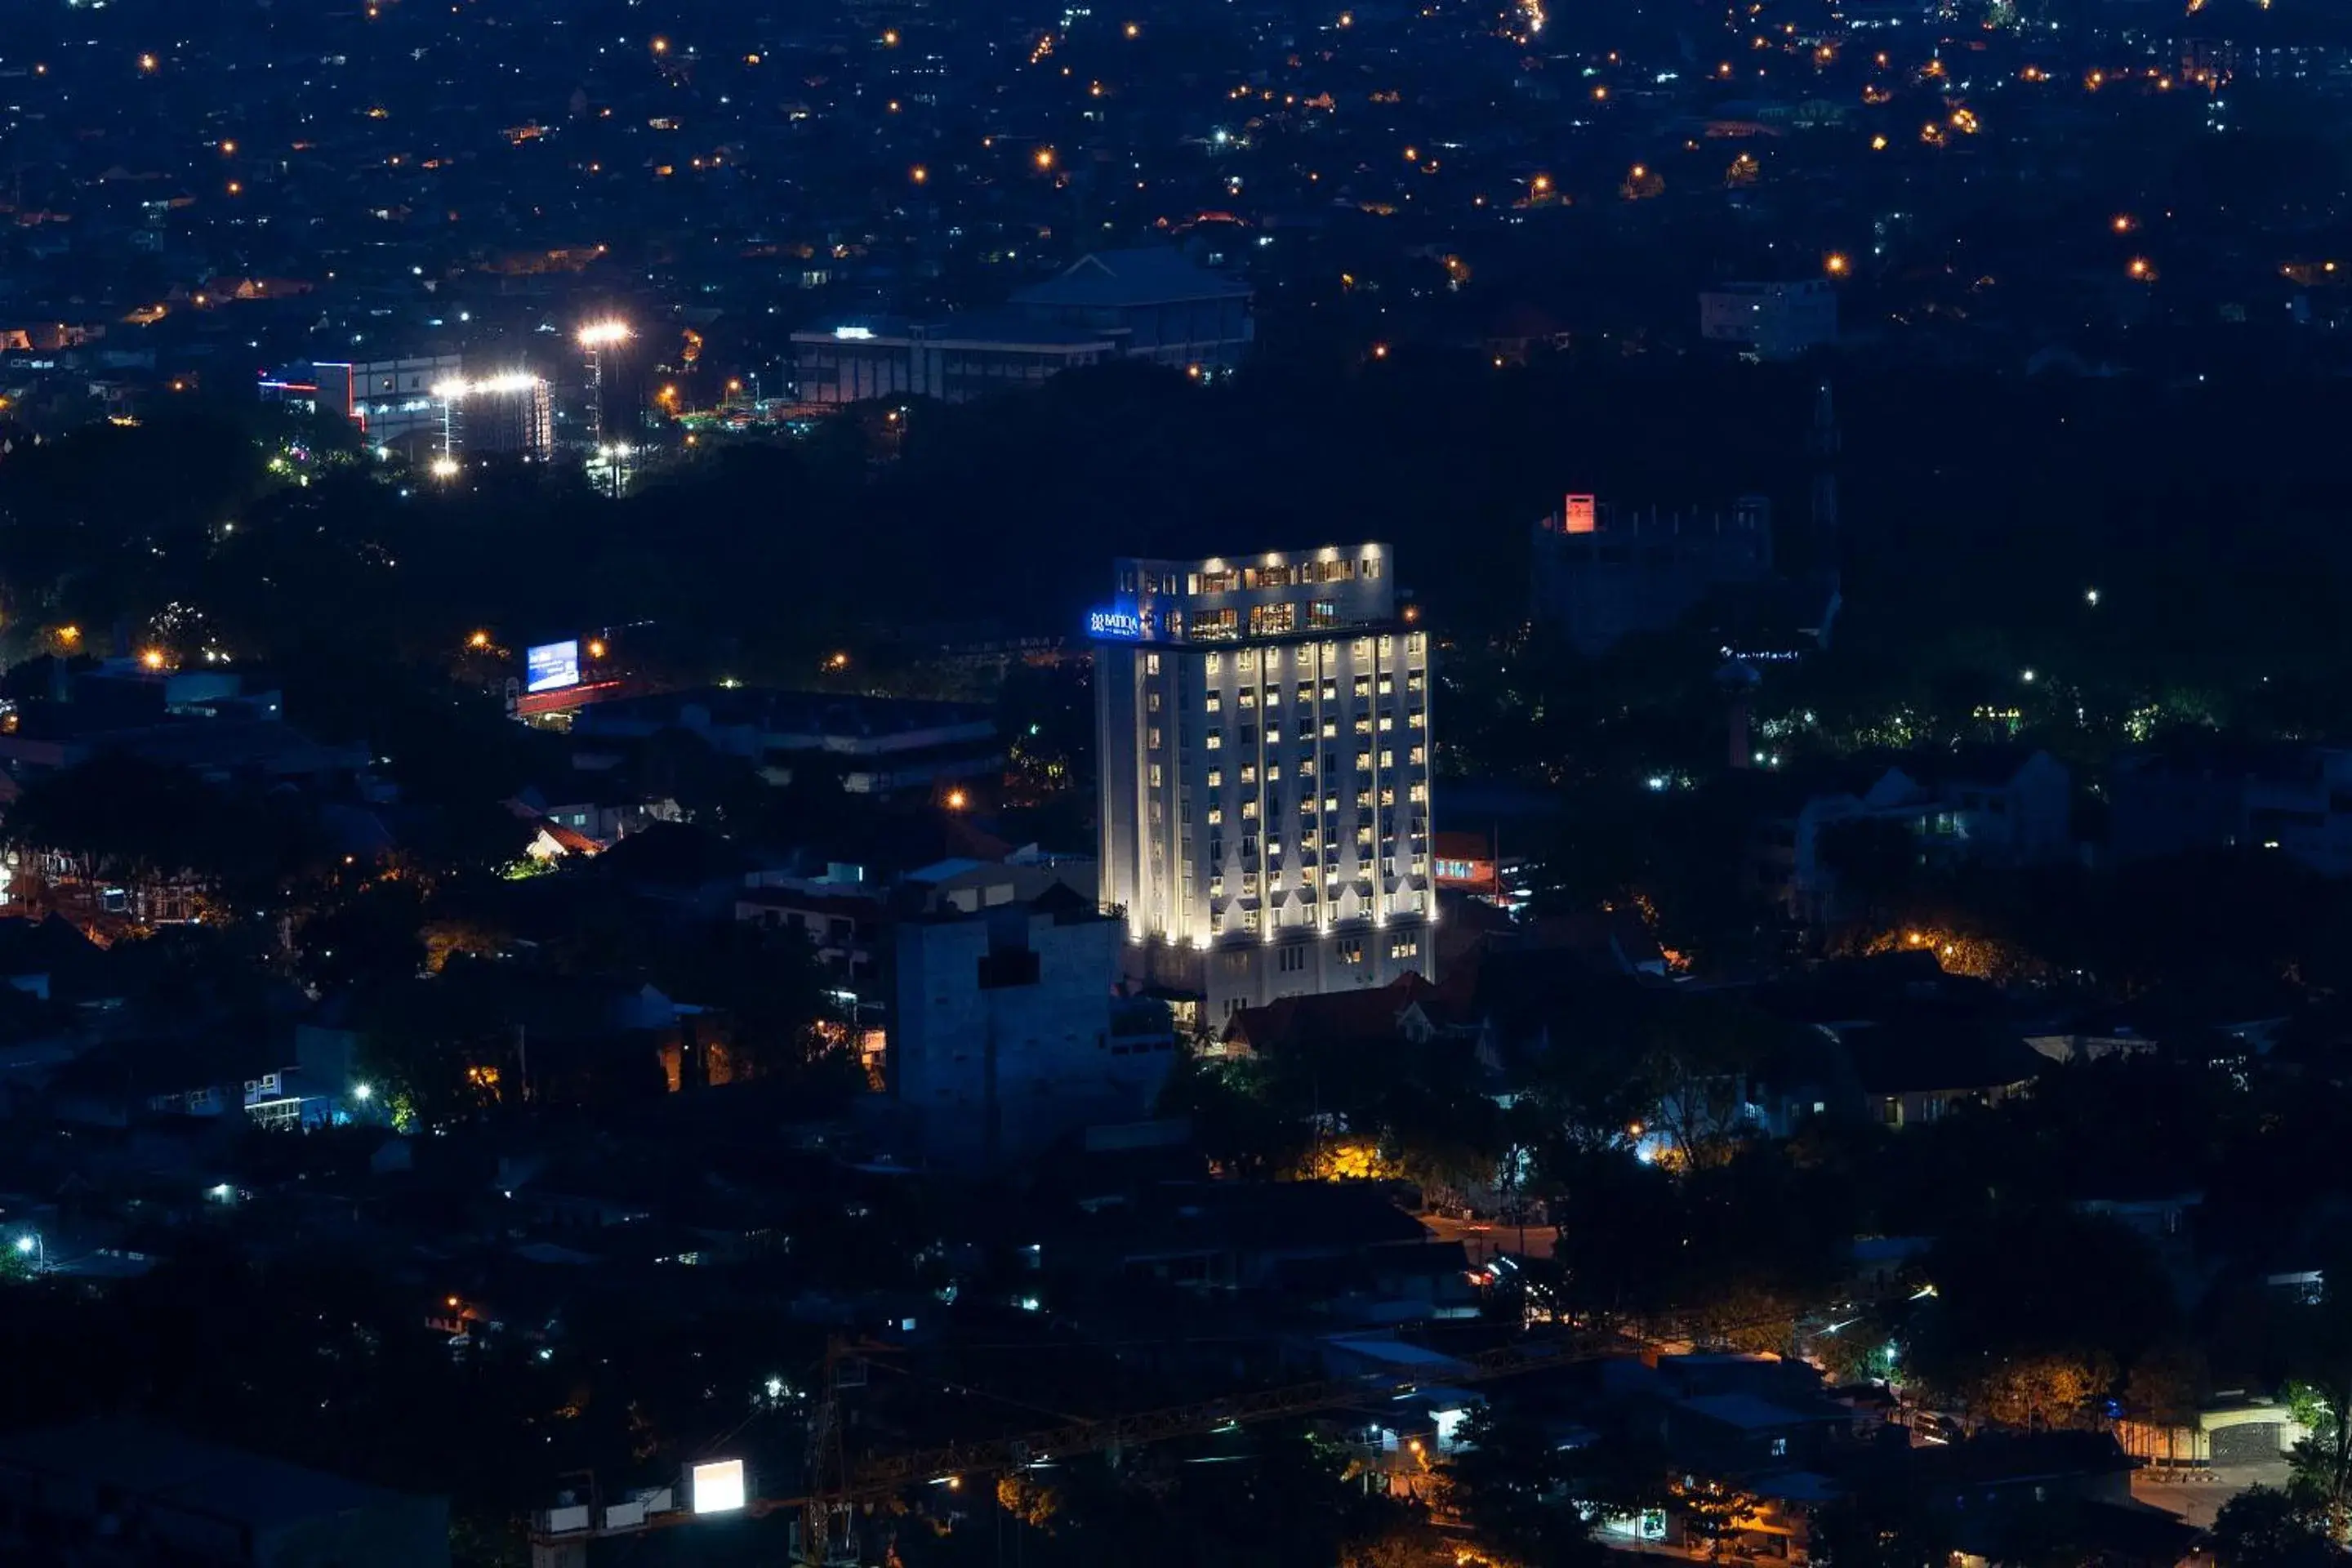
(1263, 725)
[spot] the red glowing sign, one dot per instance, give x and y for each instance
(1579, 516)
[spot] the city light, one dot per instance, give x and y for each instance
(604, 335)
(363, 1092)
(595, 647)
(2124, 223)
(1837, 264)
(445, 468)
(958, 800)
(2091, 597)
(1044, 158)
(151, 657)
(478, 640)
(503, 385)
(919, 174)
(2142, 270)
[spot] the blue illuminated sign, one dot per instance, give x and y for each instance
(551, 666)
(1124, 624)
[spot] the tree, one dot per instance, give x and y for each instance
(2263, 1527)
(1509, 1481)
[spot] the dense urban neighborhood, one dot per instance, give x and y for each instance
(944, 783)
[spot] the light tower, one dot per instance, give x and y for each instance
(597, 339)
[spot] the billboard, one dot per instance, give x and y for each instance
(1581, 515)
(715, 1486)
(551, 666)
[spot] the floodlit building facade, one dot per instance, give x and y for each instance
(1264, 732)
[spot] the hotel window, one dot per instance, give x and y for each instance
(1307, 767)
(1213, 665)
(1246, 696)
(1418, 794)
(1363, 723)
(1387, 686)
(1216, 778)
(1322, 613)
(1214, 703)
(1273, 735)
(1216, 623)
(1249, 734)
(1363, 647)
(1331, 691)
(1388, 759)
(1405, 947)
(1388, 794)
(1212, 581)
(1217, 928)
(1388, 722)
(1249, 811)
(1352, 950)
(1412, 643)
(1290, 959)
(1216, 850)
(1331, 803)
(1215, 741)
(1245, 661)
(1249, 884)
(1151, 703)
(1217, 887)
(1155, 811)
(1413, 682)
(1249, 770)
(1152, 737)
(1216, 816)
(1363, 762)
(1364, 836)
(1421, 867)
(1273, 620)
(1155, 775)
(1418, 755)
(1150, 664)
(1339, 571)
(1272, 769)
(1363, 685)
(1413, 720)
(1249, 920)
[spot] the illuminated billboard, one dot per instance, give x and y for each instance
(551, 666)
(1582, 515)
(716, 1486)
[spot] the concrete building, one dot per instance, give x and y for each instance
(1993, 807)
(1153, 303)
(955, 360)
(1008, 1033)
(510, 415)
(2292, 798)
(1263, 725)
(393, 402)
(1601, 574)
(882, 745)
(1770, 320)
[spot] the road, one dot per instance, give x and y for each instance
(1484, 1238)
(2197, 1495)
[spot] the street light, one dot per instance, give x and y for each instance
(363, 1092)
(30, 1245)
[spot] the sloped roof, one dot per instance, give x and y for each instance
(1150, 275)
(1336, 1015)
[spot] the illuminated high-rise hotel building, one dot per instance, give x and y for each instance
(1262, 726)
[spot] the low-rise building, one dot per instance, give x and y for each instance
(1008, 1032)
